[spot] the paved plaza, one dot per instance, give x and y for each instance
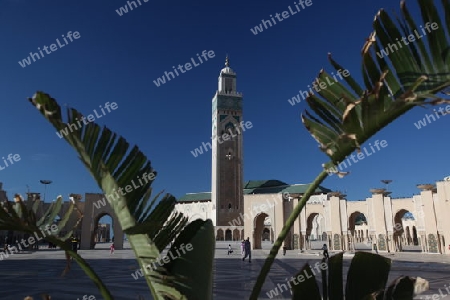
(39, 272)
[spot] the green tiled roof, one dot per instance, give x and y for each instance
(301, 189)
(253, 184)
(264, 187)
(195, 197)
(259, 187)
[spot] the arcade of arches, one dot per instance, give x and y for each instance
(419, 223)
(416, 224)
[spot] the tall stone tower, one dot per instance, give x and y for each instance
(227, 151)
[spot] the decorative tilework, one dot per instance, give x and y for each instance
(432, 243)
(229, 103)
(337, 242)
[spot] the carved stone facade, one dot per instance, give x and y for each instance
(418, 223)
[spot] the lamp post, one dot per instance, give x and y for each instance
(45, 183)
(386, 182)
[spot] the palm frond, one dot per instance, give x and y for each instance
(412, 74)
(114, 166)
(348, 114)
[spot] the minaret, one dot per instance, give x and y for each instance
(227, 151)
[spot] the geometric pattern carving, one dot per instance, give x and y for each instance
(381, 242)
(432, 243)
(337, 242)
(296, 241)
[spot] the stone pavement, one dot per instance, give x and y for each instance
(35, 273)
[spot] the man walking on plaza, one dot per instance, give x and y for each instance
(325, 251)
(74, 244)
(247, 250)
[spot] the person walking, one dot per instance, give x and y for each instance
(325, 251)
(111, 249)
(375, 248)
(247, 250)
(243, 248)
(74, 244)
(229, 249)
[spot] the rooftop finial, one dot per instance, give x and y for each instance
(227, 62)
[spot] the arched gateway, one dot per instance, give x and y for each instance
(259, 230)
(95, 207)
(83, 222)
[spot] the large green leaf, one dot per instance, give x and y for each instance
(114, 167)
(406, 287)
(368, 273)
(394, 84)
(194, 269)
(305, 285)
(324, 274)
(161, 225)
(336, 282)
(55, 207)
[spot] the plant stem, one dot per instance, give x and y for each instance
(85, 266)
(281, 237)
(133, 239)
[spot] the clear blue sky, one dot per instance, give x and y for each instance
(118, 57)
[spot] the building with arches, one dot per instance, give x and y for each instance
(417, 223)
(259, 209)
(88, 231)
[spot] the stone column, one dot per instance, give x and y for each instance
(303, 228)
(86, 224)
(430, 223)
(376, 204)
(303, 237)
(346, 245)
(296, 225)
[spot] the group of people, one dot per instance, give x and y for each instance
(75, 245)
(245, 250)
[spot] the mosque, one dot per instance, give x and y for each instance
(259, 208)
